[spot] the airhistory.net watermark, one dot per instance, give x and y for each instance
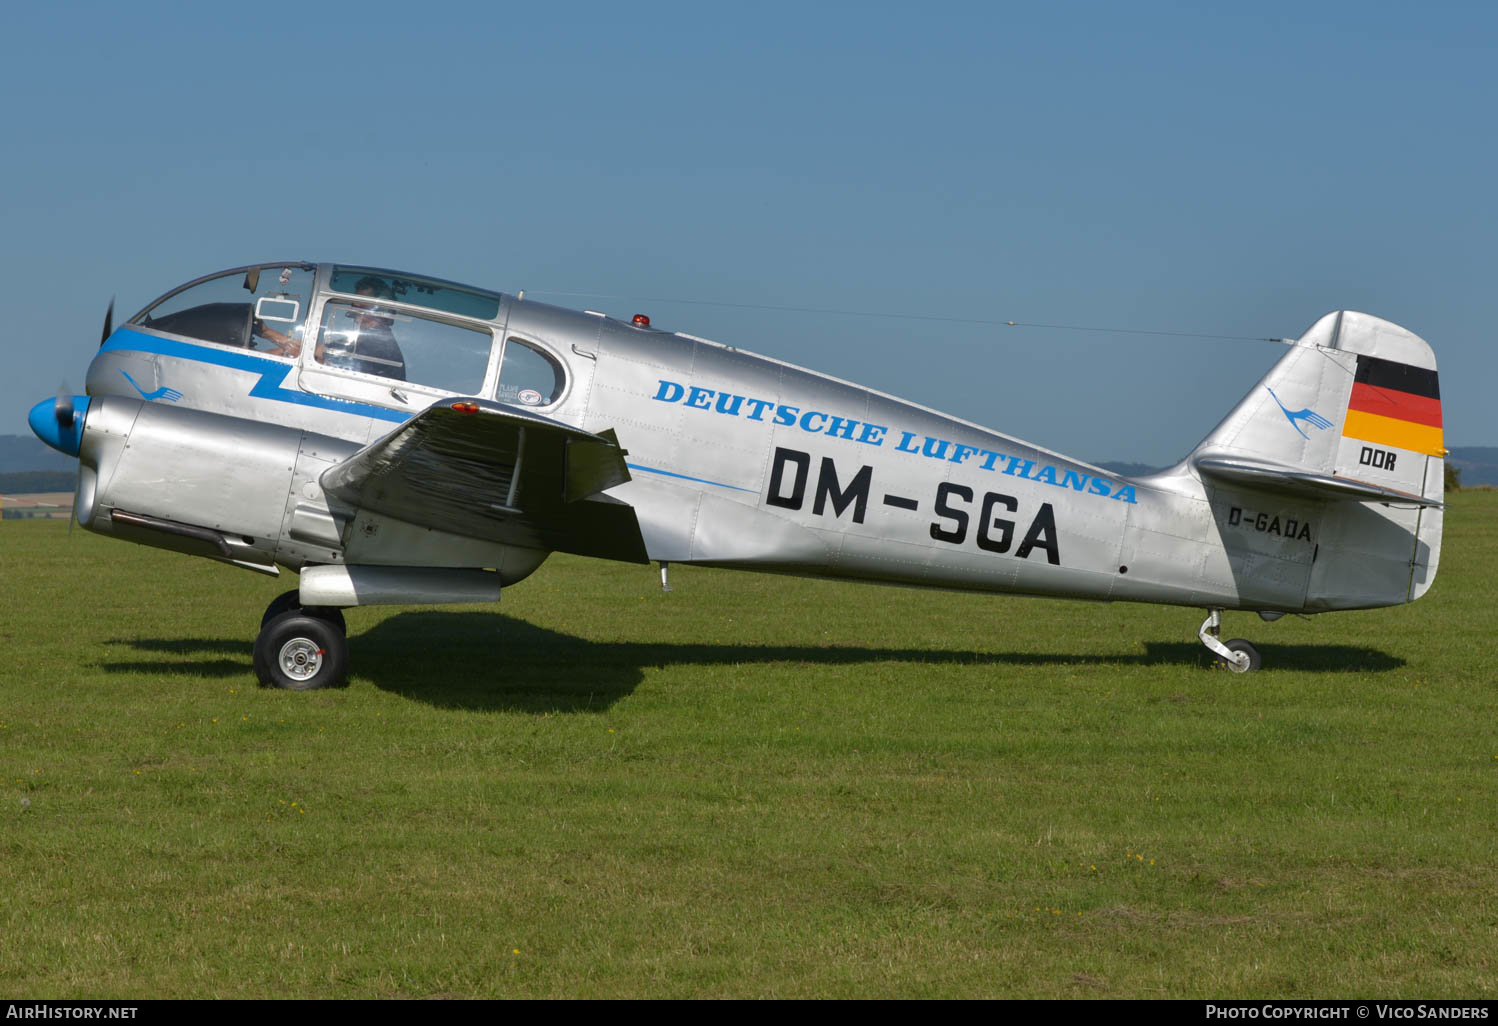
(39, 1010)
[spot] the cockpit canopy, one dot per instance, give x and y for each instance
(354, 330)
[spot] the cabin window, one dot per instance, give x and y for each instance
(263, 308)
(371, 338)
(528, 376)
(429, 293)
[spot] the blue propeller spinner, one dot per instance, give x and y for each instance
(59, 421)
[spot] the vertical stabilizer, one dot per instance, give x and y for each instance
(1351, 417)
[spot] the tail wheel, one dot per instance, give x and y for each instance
(291, 601)
(1248, 649)
(299, 652)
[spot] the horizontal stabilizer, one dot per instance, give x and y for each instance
(1273, 477)
(485, 470)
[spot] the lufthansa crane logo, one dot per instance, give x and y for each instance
(171, 395)
(1308, 415)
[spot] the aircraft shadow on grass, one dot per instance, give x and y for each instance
(493, 661)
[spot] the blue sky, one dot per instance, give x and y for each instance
(1225, 169)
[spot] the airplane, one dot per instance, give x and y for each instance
(394, 438)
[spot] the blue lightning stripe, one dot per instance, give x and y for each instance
(684, 477)
(273, 373)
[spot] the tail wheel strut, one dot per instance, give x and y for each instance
(1237, 655)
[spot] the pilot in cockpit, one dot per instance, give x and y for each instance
(280, 342)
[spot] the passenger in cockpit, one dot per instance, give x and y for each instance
(374, 349)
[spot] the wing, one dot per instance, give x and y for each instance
(484, 470)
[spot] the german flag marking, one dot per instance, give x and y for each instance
(1401, 377)
(1395, 404)
(1398, 434)
(1386, 402)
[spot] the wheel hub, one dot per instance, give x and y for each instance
(301, 659)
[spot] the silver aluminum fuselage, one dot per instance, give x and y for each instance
(738, 460)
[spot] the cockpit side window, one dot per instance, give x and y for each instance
(528, 376)
(369, 337)
(263, 308)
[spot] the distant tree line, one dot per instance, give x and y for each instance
(25, 481)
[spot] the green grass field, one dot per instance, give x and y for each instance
(753, 786)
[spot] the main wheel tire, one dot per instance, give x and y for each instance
(299, 652)
(1248, 649)
(291, 601)
(282, 603)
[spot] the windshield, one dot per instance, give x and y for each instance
(260, 308)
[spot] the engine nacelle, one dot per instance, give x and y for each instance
(249, 493)
(187, 480)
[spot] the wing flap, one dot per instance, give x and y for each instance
(498, 473)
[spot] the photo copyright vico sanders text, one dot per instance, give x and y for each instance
(1367, 1010)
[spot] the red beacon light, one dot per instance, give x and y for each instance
(465, 406)
(641, 321)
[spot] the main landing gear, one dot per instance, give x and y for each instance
(301, 647)
(1237, 655)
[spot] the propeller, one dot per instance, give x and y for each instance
(59, 421)
(73, 511)
(62, 406)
